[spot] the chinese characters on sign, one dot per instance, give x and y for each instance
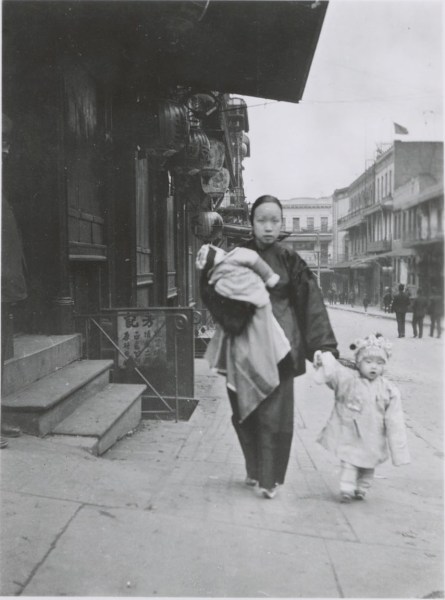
(142, 336)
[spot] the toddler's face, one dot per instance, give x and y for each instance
(371, 367)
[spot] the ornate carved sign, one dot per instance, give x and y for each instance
(217, 183)
(216, 158)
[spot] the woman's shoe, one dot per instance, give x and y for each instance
(269, 493)
(3, 443)
(250, 481)
(360, 495)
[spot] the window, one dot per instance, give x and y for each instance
(172, 289)
(323, 223)
(143, 247)
(296, 224)
(310, 223)
(324, 254)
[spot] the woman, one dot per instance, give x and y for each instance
(266, 434)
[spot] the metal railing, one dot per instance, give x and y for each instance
(150, 345)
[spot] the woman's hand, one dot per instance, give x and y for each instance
(318, 361)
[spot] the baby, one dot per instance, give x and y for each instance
(233, 285)
(367, 416)
(237, 273)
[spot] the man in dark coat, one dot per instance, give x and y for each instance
(400, 305)
(435, 311)
(387, 300)
(420, 306)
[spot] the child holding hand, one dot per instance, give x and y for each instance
(367, 417)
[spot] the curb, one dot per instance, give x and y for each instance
(374, 313)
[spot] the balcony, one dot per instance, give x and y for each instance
(413, 239)
(352, 219)
(385, 203)
(379, 246)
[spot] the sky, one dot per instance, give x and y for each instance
(377, 62)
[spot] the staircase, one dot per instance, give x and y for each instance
(48, 390)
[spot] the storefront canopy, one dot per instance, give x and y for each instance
(261, 48)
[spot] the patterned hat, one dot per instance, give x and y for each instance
(208, 257)
(372, 345)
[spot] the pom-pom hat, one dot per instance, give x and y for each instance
(372, 345)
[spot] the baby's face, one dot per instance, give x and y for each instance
(371, 367)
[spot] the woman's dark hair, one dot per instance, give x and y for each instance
(262, 200)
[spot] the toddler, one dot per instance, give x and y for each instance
(367, 417)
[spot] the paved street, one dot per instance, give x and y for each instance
(166, 513)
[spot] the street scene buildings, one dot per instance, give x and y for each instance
(126, 138)
(384, 229)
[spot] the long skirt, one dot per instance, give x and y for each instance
(265, 435)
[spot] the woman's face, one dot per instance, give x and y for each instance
(266, 224)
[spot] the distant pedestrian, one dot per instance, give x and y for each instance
(387, 300)
(400, 306)
(366, 302)
(330, 296)
(435, 311)
(367, 417)
(420, 307)
(351, 298)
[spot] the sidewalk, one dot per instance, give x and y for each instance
(166, 513)
(375, 311)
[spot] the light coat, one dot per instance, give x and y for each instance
(366, 420)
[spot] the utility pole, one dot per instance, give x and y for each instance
(318, 252)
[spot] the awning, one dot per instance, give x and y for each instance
(255, 48)
(352, 264)
(401, 252)
(343, 265)
(366, 261)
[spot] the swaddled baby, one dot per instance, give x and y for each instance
(233, 284)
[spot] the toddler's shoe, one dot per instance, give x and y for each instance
(345, 498)
(250, 481)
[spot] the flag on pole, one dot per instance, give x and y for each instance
(400, 129)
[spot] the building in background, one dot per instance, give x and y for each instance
(418, 219)
(308, 222)
(394, 222)
(340, 243)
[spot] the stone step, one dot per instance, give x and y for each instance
(104, 418)
(38, 408)
(35, 356)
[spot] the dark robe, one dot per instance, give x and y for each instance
(266, 435)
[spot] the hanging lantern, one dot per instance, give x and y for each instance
(162, 129)
(208, 226)
(195, 154)
(216, 158)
